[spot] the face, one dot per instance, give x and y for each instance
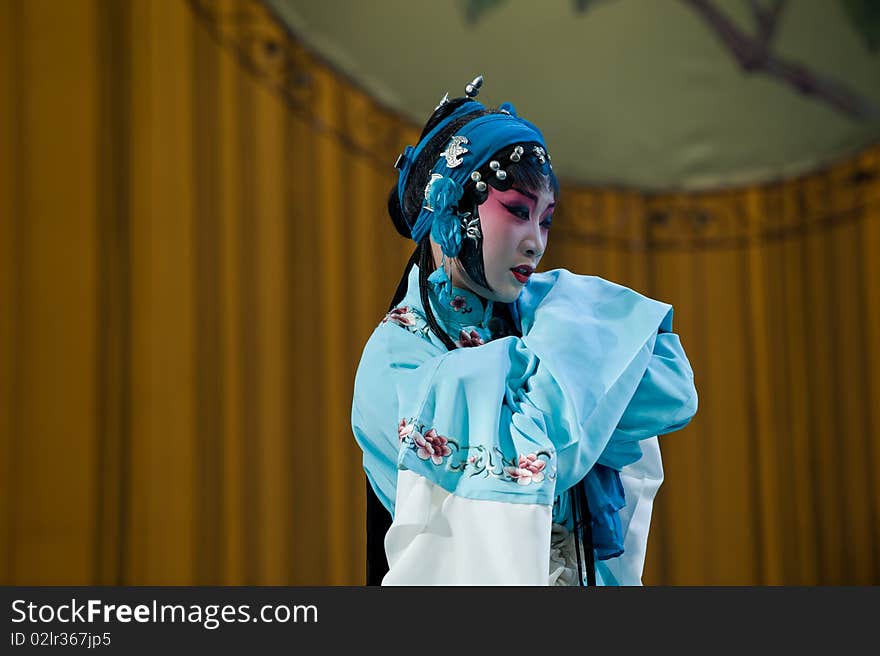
(515, 225)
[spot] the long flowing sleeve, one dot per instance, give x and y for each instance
(665, 401)
(469, 448)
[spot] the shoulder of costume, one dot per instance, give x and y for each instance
(583, 293)
(410, 313)
(408, 317)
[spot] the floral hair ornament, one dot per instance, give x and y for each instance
(441, 282)
(441, 197)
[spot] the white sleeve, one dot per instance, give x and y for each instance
(641, 480)
(438, 538)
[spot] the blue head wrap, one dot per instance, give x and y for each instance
(468, 149)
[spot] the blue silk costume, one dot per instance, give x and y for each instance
(520, 420)
(473, 450)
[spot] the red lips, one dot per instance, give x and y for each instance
(522, 272)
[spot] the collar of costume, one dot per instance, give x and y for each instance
(459, 310)
(468, 149)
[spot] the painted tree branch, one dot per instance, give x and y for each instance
(766, 19)
(754, 54)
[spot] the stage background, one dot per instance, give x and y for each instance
(195, 249)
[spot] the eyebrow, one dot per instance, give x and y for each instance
(529, 194)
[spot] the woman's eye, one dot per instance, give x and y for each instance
(547, 223)
(521, 212)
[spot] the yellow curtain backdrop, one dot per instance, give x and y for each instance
(195, 249)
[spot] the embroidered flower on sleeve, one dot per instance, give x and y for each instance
(404, 429)
(432, 445)
(530, 470)
(409, 318)
(474, 460)
(469, 339)
(402, 316)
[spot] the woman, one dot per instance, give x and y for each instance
(508, 418)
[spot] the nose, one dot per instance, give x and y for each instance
(534, 243)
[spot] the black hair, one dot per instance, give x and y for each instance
(531, 172)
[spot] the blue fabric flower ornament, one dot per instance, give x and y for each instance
(442, 197)
(441, 283)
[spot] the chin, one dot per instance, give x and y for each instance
(510, 298)
(507, 293)
(503, 292)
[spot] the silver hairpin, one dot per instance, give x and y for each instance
(473, 87)
(434, 177)
(476, 177)
(443, 101)
(454, 151)
(516, 154)
(500, 173)
(540, 154)
(471, 226)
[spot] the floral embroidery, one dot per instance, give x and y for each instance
(428, 444)
(530, 469)
(409, 318)
(474, 460)
(459, 304)
(469, 339)
(404, 429)
(432, 445)
(402, 316)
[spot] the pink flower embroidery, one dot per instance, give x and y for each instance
(469, 339)
(401, 316)
(404, 429)
(431, 445)
(530, 469)
(458, 303)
